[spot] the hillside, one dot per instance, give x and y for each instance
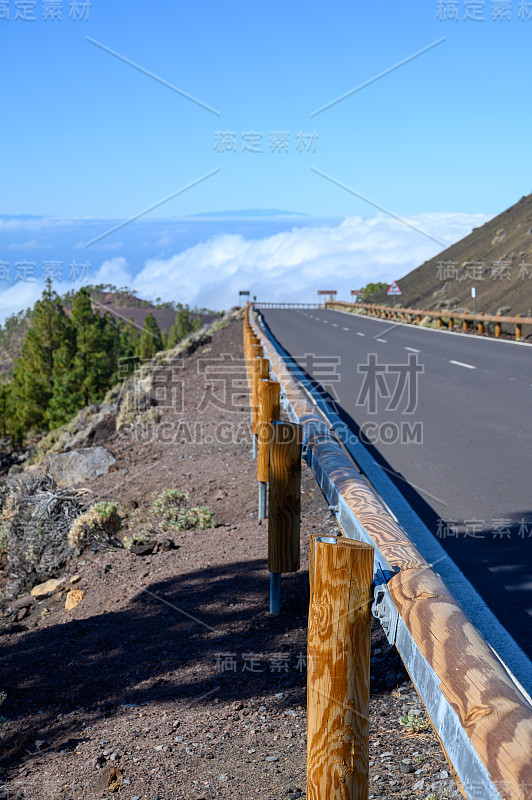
(120, 304)
(155, 670)
(496, 259)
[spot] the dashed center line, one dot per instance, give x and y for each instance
(382, 340)
(345, 329)
(461, 364)
(334, 325)
(412, 349)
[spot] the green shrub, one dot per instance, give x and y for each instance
(414, 724)
(97, 527)
(171, 508)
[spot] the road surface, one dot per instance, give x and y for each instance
(449, 416)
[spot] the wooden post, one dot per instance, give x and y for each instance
(255, 351)
(339, 643)
(268, 399)
(497, 330)
(261, 369)
(451, 323)
(518, 329)
(284, 504)
(269, 393)
(464, 326)
(438, 323)
(480, 328)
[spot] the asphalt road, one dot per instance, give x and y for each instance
(449, 416)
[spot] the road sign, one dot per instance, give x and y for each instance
(357, 292)
(394, 289)
(327, 291)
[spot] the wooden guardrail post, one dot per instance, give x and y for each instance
(339, 643)
(518, 329)
(284, 506)
(269, 393)
(451, 324)
(498, 330)
(260, 368)
(480, 327)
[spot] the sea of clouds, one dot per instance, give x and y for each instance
(207, 262)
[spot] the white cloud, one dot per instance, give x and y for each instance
(32, 244)
(294, 264)
(286, 266)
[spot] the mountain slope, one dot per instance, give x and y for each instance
(496, 259)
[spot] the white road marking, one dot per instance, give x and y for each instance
(326, 321)
(382, 340)
(363, 334)
(334, 325)
(345, 329)
(461, 364)
(412, 349)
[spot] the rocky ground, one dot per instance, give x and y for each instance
(169, 678)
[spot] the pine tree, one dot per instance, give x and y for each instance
(183, 326)
(150, 340)
(96, 354)
(46, 355)
(128, 346)
(4, 406)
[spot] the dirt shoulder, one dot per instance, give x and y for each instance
(170, 679)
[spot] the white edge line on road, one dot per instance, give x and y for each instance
(412, 326)
(413, 349)
(461, 364)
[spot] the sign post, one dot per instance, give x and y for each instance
(393, 290)
(474, 296)
(330, 292)
(241, 294)
(357, 293)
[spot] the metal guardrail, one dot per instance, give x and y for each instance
(415, 315)
(286, 305)
(482, 719)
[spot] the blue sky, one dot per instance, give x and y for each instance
(85, 134)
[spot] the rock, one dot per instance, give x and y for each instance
(22, 614)
(75, 579)
(272, 758)
(46, 589)
(74, 598)
(77, 466)
(419, 785)
(114, 780)
(222, 778)
(98, 762)
(146, 549)
(26, 601)
(40, 744)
